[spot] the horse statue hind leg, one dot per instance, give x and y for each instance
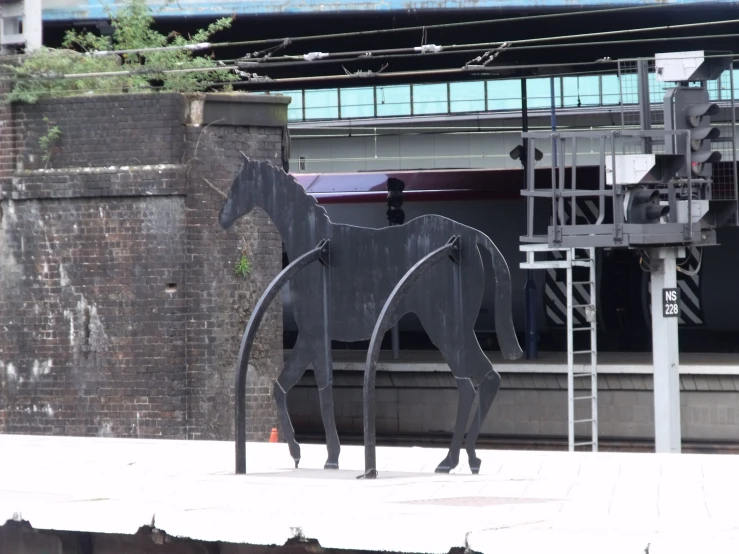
(449, 321)
(464, 354)
(474, 375)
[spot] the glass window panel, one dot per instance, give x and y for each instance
(357, 102)
(428, 99)
(611, 93)
(504, 95)
(725, 80)
(467, 97)
(657, 89)
(540, 95)
(713, 93)
(629, 88)
(322, 104)
(295, 107)
(395, 100)
(581, 91)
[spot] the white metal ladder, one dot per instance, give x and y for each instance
(577, 400)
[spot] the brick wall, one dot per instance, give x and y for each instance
(120, 311)
(125, 130)
(7, 166)
(223, 302)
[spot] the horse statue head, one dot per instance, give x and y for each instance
(240, 199)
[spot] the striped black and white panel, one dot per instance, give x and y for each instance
(555, 282)
(691, 311)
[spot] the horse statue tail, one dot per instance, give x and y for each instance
(504, 329)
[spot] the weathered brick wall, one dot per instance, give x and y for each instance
(124, 130)
(7, 166)
(120, 311)
(223, 301)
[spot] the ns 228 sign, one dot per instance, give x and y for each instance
(670, 304)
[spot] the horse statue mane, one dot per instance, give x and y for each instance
(259, 183)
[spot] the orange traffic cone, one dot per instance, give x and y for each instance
(273, 435)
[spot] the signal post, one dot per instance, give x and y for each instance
(665, 347)
(658, 205)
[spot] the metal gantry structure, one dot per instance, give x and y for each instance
(655, 194)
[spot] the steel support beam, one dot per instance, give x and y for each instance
(645, 108)
(531, 325)
(665, 350)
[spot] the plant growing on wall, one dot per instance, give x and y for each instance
(39, 73)
(243, 267)
(48, 140)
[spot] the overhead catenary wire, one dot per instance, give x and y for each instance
(299, 62)
(144, 87)
(224, 67)
(423, 28)
(260, 80)
(510, 44)
(492, 69)
(128, 73)
(192, 47)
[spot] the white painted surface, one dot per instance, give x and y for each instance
(666, 353)
(562, 502)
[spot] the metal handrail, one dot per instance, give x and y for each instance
(558, 193)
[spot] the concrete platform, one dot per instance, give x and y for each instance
(521, 502)
(548, 362)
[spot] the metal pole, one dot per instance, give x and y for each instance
(733, 144)
(532, 349)
(621, 94)
(558, 222)
(569, 256)
(393, 220)
(645, 108)
(665, 349)
(554, 123)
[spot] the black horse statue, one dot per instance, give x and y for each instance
(343, 297)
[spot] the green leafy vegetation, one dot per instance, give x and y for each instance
(243, 267)
(47, 141)
(39, 73)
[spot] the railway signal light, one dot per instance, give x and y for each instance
(395, 214)
(518, 153)
(642, 206)
(688, 108)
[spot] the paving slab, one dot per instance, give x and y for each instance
(522, 501)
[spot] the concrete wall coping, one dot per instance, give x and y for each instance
(247, 98)
(237, 110)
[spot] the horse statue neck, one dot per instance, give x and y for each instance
(301, 222)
